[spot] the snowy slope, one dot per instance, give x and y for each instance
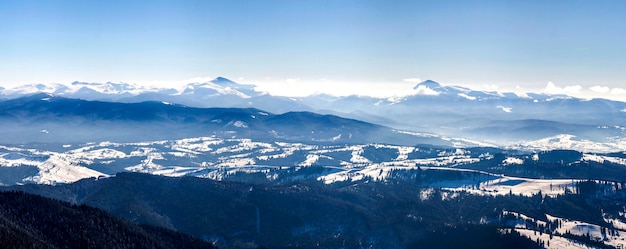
(554, 239)
(217, 158)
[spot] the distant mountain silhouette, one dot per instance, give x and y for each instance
(49, 118)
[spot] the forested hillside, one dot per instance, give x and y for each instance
(31, 221)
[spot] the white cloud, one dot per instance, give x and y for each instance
(573, 89)
(618, 91)
(505, 109)
(171, 83)
(197, 80)
(424, 90)
(551, 88)
(600, 89)
(413, 80)
(467, 96)
(554, 89)
(300, 87)
(491, 87)
(519, 91)
(522, 95)
(606, 89)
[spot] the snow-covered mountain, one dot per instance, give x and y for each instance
(45, 118)
(495, 117)
(220, 92)
(498, 118)
(443, 104)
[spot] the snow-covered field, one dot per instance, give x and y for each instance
(571, 142)
(613, 236)
(215, 158)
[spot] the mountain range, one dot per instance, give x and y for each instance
(220, 92)
(495, 117)
(52, 119)
(443, 167)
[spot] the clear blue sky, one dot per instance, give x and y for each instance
(504, 44)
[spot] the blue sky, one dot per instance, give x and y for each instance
(579, 46)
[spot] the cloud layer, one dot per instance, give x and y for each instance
(596, 91)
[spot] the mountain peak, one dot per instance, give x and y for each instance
(222, 80)
(428, 83)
